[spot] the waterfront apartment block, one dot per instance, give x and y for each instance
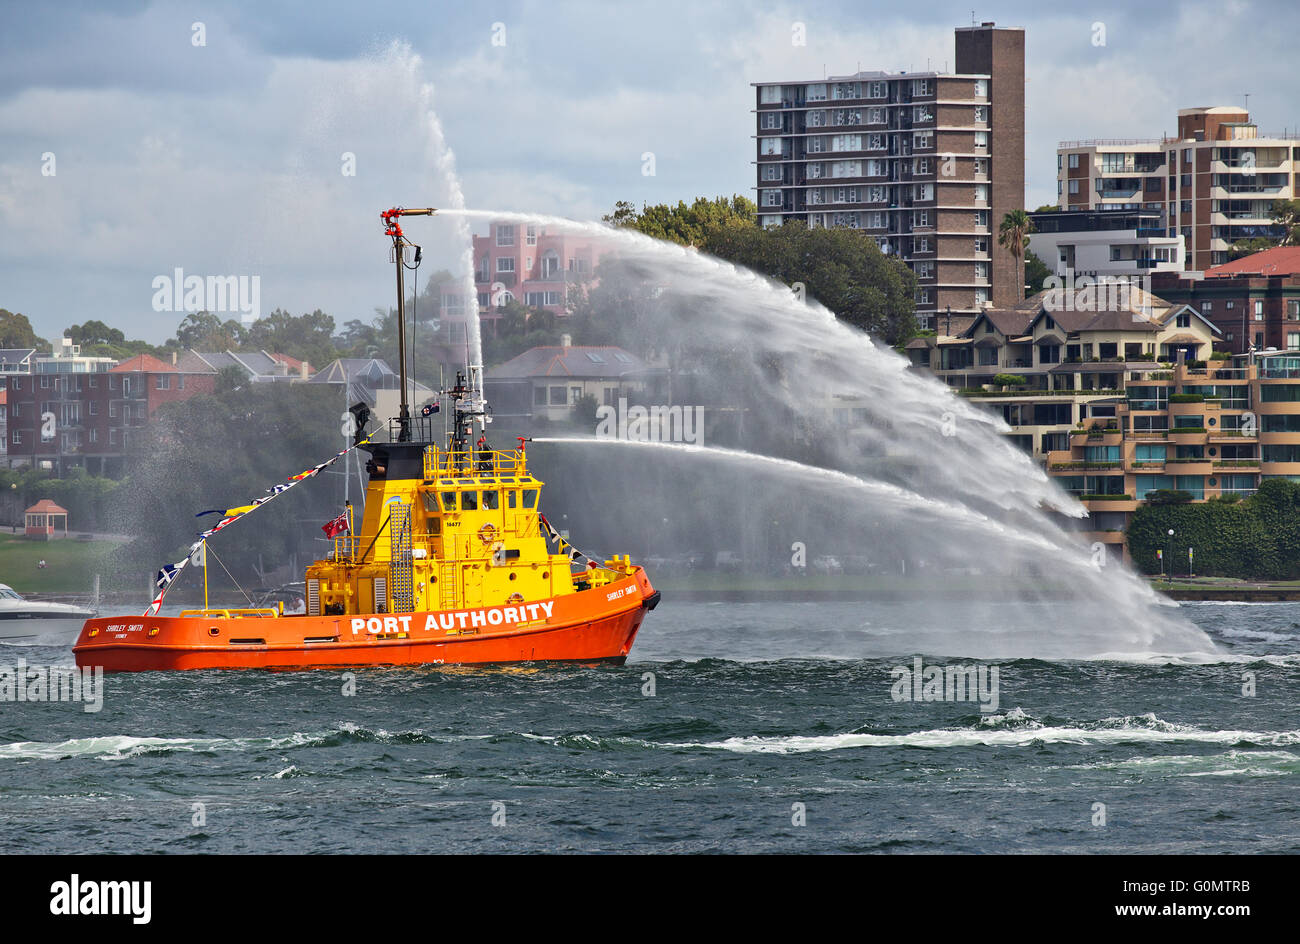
(926, 162)
(1121, 402)
(1094, 243)
(1213, 182)
(1094, 339)
(1254, 301)
(1205, 429)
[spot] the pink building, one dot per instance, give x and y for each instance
(524, 263)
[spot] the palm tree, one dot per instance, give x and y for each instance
(1013, 235)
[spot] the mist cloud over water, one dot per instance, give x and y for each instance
(822, 438)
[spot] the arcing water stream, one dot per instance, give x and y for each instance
(843, 449)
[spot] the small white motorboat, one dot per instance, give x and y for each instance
(36, 623)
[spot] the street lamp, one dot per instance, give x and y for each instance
(1170, 555)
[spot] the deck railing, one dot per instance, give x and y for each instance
(439, 463)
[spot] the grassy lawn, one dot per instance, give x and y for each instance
(72, 564)
(1222, 583)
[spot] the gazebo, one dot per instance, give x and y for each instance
(44, 518)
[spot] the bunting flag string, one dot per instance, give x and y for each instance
(169, 572)
(562, 545)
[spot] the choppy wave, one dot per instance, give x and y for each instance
(1013, 730)
(1233, 763)
(124, 746)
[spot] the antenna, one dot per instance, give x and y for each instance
(1246, 95)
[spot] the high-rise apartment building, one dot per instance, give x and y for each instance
(926, 162)
(1213, 183)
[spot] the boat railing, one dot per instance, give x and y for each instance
(347, 547)
(241, 613)
(439, 463)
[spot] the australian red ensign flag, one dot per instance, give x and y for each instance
(336, 527)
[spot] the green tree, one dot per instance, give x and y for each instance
(94, 332)
(1248, 247)
(306, 337)
(17, 332)
(686, 225)
(839, 267)
(204, 331)
(842, 268)
(1013, 236)
(584, 412)
(225, 449)
(1036, 272)
(519, 329)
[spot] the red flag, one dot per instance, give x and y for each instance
(336, 527)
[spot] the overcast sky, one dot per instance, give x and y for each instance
(227, 158)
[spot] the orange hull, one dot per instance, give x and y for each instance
(599, 624)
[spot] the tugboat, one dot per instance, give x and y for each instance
(452, 563)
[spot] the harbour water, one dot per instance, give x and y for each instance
(734, 727)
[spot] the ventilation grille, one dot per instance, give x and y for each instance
(381, 595)
(313, 598)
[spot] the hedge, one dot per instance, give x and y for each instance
(1256, 538)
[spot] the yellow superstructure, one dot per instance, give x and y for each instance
(464, 530)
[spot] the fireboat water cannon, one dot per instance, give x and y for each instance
(393, 229)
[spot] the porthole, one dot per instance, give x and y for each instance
(1213, 482)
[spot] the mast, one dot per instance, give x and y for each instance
(394, 229)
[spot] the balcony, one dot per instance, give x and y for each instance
(1201, 466)
(1084, 465)
(1222, 193)
(1273, 165)
(1108, 502)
